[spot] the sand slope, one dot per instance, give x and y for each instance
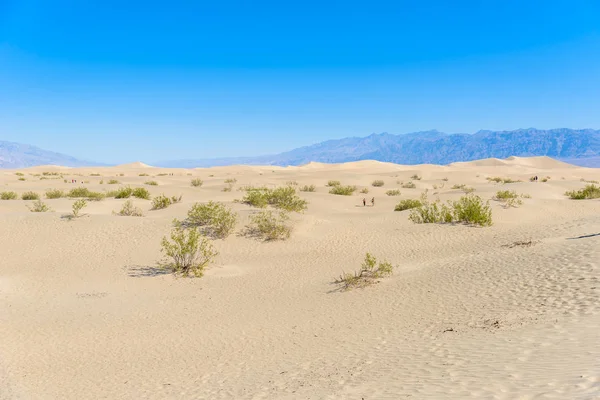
(84, 313)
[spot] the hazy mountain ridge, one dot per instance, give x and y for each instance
(430, 147)
(581, 147)
(17, 155)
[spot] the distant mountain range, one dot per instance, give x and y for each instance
(580, 147)
(430, 147)
(17, 155)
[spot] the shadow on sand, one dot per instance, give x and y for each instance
(584, 236)
(145, 271)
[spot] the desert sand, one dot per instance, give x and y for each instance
(84, 314)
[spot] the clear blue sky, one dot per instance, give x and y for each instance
(119, 81)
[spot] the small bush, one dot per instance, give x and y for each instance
(364, 190)
(368, 274)
(216, 219)
(151, 183)
(377, 183)
(291, 183)
(284, 198)
(101, 181)
(144, 174)
(469, 209)
(415, 177)
(9, 196)
(121, 193)
(308, 188)
(197, 182)
(333, 183)
(409, 185)
(457, 186)
(19, 174)
(430, 212)
(55, 194)
(497, 179)
(78, 206)
(588, 192)
(407, 205)
(270, 226)
(129, 210)
(30, 196)
(141, 193)
(162, 201)
(22, 179)
(343, 190)
(187, 253)
(113, 182)
(82, 192)
(393, 192)
(95, 175)
(231, 181)
(39, 206)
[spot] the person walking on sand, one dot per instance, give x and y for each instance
(364, 202)
(373, 202)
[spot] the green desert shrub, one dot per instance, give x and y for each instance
(430, 212)
(291, 183)
(333, 183)
(143, 174)
(151, 183)
(113, 182)
(368, 274)
(308, 188)
(231, 181)
(407, 204)
(588, 192)
(187, 253)
(269, 225)
(129, 210)
(141, 193)
(509, 198)
(121, 193)
(343, 190)
(415, 177)
(78, 205)
(393, 192)
(498, 179)
(197, 182)
(162, 201)
(409, 185)
(284, 198)
(95, 175)
(377, 183)
(457, 186)
(469, 209)
(19, 174)
(30, 196)
(216, 219)
(55, 194)
(9, 196)
(39, 206)
(85, 193)
(22, 179)
(364, 190)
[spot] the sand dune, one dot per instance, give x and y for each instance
(468, 314)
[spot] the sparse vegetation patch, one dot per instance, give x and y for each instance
(30, 196)
(407, 204)
(9, 196)
(588, 192)
(269, 225)
(343, 190)
(377, 183)
(215, 219)
(39, 206)
(187, 253)
(370, 272)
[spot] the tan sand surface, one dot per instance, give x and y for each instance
(84, 313)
